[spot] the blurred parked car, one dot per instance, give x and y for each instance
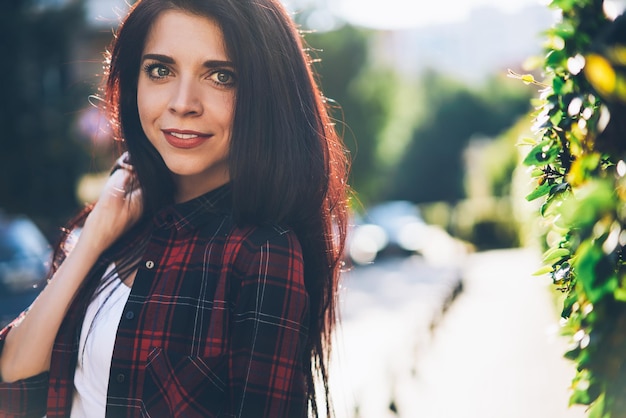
(24, 259)
(388, 228)
(397, 228)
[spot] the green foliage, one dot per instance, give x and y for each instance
(501, 158)
(579, 172)
(432, 167)
(398, 134)
(362, 93)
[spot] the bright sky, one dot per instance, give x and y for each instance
(381, 14)
(390, 14)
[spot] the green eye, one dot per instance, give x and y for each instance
(156, 71)
(223, 77)
(161, 71)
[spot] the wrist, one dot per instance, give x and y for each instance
(90, 244)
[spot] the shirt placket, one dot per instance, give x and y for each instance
(134, 338)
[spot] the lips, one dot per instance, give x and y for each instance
(185, 139)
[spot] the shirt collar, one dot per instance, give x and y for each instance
(197, 211)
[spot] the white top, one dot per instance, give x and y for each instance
(97, 338)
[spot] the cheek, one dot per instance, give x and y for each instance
(144, 106)
(228, 112)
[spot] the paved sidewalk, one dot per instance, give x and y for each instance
(495, 354)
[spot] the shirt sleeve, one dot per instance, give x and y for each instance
(267, 377)
(23, 398)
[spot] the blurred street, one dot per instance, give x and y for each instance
(494, 353)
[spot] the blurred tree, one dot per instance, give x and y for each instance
(39, 162)
(362, 93)
(501, 158)
(432, 167)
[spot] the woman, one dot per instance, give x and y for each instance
(203, 282)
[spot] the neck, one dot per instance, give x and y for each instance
(188, 189)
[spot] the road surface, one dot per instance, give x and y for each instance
(495, 352)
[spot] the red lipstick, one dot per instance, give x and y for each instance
(184, 139)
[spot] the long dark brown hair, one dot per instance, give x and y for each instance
(287, 163)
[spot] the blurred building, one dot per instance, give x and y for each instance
(490, 40)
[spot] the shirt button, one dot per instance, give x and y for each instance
(130, 315)
(149, 264)
(120, 378)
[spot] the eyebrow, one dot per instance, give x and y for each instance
(169, 60)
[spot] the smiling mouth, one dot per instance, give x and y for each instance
(185, 140)
(183, 136)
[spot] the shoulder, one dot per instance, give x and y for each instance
(247, 246)
(253, 237)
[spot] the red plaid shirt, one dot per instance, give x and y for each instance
(214, 326)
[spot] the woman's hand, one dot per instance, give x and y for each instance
(118, 208)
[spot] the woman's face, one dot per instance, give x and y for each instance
(186, 100)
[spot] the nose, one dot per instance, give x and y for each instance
(185, 100)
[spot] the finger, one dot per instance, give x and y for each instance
(116, 184)
(123, 180)
(123, 162)
(132, 183)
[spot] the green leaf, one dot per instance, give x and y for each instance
(587, 262)
(568, 305)
(537, 172)
(557, 193)
(557, 117)
(565, 28)
(584, 168)
(560, 188)
(527, 141)
(580, 397)
(542, 154)
(543, 270)
(542, 190)
(572, 354)
(592, 201)
(555, 254)
(620, 294)
(597, 410)
(555, 59)
(580, 385)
